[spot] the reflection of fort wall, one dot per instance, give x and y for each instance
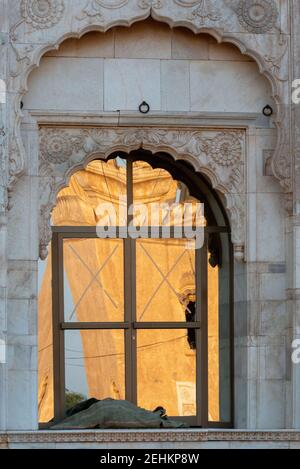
(166, 363)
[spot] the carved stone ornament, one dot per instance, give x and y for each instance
(3, 182)
(58, 148)
(42, 14)
(119, 436)
(204, 10)
(94, 7)
(226, 149)
(217, 154)
(150, 4)
(257, 16)
(111, 3)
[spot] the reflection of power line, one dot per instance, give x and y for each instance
(114, 354)
(118, 354)
(42, 349)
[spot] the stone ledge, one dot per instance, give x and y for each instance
(144, 436)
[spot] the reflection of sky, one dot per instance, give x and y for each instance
(74, 366)
(41, 270)
(75, 371)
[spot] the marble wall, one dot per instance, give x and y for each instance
(190, 82)
(173, 70)
(176, 71)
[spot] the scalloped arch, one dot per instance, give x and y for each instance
(233, 213)
(212, 176)
(217, 34)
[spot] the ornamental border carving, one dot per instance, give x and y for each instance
(65, 20)
(218, 154)
(117, 436)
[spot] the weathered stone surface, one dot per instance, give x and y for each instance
(176, 69)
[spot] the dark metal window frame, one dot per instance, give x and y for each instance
(130, 324)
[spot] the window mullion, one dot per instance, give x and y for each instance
(58, 333)
(130, 301)
(133, 319)
(202, 334)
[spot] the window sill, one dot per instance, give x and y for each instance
(151, 436)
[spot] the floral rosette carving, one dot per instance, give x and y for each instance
(57, 147)
(257, 16)
(219, 155)
(226, 149)
(42, 14)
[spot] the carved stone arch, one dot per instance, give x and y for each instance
(63, 151)
(271, 57)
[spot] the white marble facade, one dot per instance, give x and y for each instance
(199, 64)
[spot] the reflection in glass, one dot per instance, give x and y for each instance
(165, 272)
(165, 289)
(159, 200)
(94, 365)
(45, 341)
(93, 280)
(213, 344)
(219, 330)
(224, 328)
(166, 371)
(96, 195)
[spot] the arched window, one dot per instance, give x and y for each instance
(147, 316)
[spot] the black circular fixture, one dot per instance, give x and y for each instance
(144, 107)
(267, 111)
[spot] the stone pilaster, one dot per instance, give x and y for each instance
(294, 260)
(3, 207)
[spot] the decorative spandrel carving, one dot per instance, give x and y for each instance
(39, 14)
(111, 3)
(150, 4)
(275, 62)
(257, 16)
(217, 154)
(256, 19)
(58, 147)
(94, 8)
(226, 149)
(42, 14)
(203, 10)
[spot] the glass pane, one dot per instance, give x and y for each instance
(93, 280)
(219, 329)
(159, 200)
(165, 273)
(166, 371)
(45, 341)
(110, 192)
(94, 365)
(95, 195)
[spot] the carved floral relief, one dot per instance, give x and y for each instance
(217, 154)
(257, 19)
(42, 14)
(257, 16)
